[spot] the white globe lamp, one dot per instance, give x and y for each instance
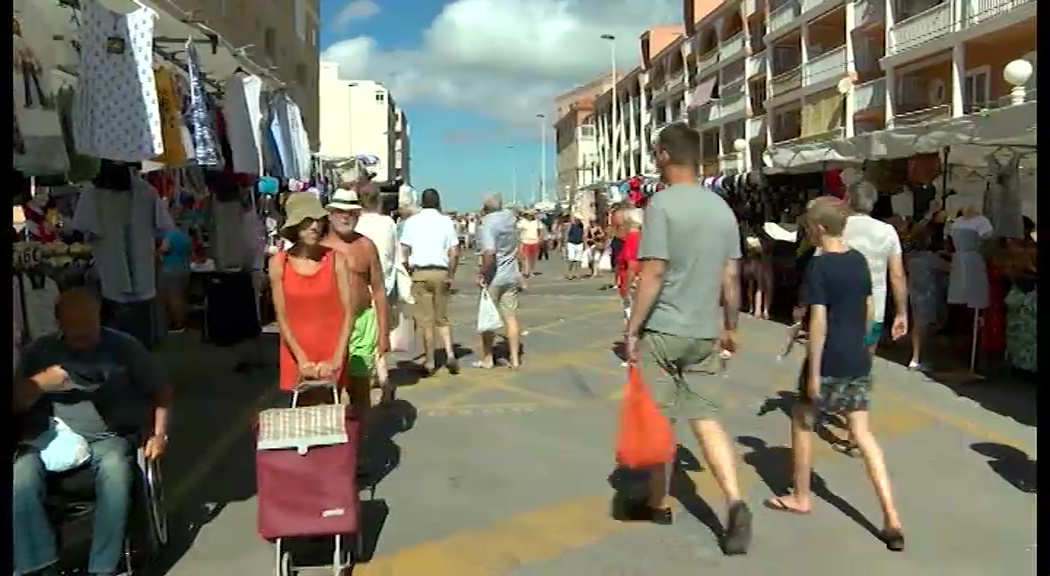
(1016, 74)
(740, 145)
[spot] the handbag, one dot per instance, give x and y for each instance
(489, 319)
(645, 437)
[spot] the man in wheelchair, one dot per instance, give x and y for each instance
(101, 383)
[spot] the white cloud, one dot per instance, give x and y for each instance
(507, 58)
(356, 10)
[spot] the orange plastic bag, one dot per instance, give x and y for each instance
(645, 437)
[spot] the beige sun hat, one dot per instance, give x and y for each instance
(300, 206)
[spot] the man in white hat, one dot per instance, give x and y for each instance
(371, 337)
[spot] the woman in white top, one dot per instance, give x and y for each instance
(382, 231)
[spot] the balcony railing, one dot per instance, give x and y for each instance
(756, 65)
(786, 82)
(756, 128)
(676, 81)
(870, 95)
(658, 90)
(733, 74)
(868, 11)
(921, 28)
(706, 114)
(808, 5)
(912, 116)
(707, 61)
(732, 46)
(977, 11)
(828, 66)
(784, 132)
(729, 163)
(733, 101)
(784, 16)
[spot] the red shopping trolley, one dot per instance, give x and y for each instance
(305, 467)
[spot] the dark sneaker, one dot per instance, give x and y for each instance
(641, 512)
(894, 539)
(737, 537)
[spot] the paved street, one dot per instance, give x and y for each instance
(501, 473)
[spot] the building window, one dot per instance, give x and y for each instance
(270, 43)
(975, 89)
(587, 132)
(381, 97)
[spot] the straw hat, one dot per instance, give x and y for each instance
(299, 207)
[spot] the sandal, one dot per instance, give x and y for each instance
(777, 504)
(482, 365)
(893, 538)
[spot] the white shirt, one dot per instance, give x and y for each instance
(878, 242)
(979, 223)
(382, 231)
(430, 235)
(529, 231)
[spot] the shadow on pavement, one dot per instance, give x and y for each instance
(1010, 464)
(773, 464)
(784, 402)
(315, 555)
(381, 455)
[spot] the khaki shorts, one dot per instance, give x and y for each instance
(506, 298)
(681, 373)
(430, 291)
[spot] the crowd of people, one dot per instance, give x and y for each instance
(350, 277)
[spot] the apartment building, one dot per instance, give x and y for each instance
(361, 117)
(402, 147)
(281, 35)
(576, 143)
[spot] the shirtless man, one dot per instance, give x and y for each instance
(370, 338)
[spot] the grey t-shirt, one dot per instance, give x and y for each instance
(696, 232)
(115, 384)
(498, 233)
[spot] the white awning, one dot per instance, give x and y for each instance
(704, 90)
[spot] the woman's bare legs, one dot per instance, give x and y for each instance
(759, 310)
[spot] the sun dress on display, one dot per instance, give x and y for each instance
(199, 112)
(116, 112)
(174, 155)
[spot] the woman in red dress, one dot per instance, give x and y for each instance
(312, 300)
(627, 260)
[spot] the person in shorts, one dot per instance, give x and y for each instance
(688, 256)
(498, 272)
(836, 377)
(575, 252)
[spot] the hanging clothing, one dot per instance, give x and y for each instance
(243, 114)
(81, 168)
(1004, 196)
(174, 155)
(315, 315)
(122, 228)
(228, 238)
(293, 146)
(1022, 350)
(116, 114)
(39, 295)
(968, 282)
(39, 144)
(199, 113)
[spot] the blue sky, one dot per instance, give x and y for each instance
(473, 74)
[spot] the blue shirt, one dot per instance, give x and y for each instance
(179, 247)
(498, 235)
(840, 282)
(115, 383)
(575, 233)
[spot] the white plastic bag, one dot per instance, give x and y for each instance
(61, 449)
(585, 257)
(605, 262)
(401, 335)
(488, 315)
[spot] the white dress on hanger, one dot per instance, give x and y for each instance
(116, 113)
(968, 282)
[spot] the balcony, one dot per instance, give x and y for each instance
(830, 65)
(977, 11)
(808, 5)
(756, 65)
(923, 27)
(732, 47)
(734, 73)
(912, 117)
(676, 81)
(733, 100)
(706, 114)
(868, 12)
(870, 96)
(786, 82)
(657, 90)
(729, 163)
(784, 15)
(756, 128)
(707, 61)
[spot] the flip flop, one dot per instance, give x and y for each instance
(776, 504)
(482, 366)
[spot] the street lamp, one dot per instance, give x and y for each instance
(613, 141)
(513, 176)
(543, 156)
(1016, 74)
(740, 145)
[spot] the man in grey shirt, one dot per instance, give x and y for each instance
(689, 251)
(498, 273)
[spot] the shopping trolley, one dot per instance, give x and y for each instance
(305, 464)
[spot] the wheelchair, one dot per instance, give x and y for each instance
(70, 504)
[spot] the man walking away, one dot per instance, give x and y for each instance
(432, 255)
(498, 243)
(574, 250)
(837, 377)
(688, 254)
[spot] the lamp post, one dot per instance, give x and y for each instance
(740, 145)
(1016, 74)
(513, 176)
(612, 138)
(543, 157)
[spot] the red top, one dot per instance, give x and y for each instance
(315, 315)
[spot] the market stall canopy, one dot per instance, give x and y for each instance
(970, 139)
(173, 29)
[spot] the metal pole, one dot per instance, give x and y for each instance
(615, 105)
(543, 160)
(513, 176)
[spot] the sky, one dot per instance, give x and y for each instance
(473, 74)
